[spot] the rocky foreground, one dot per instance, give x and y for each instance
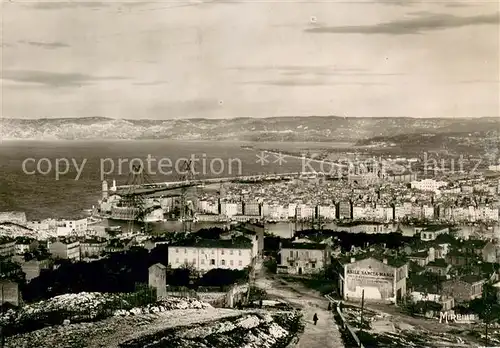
(172, 322)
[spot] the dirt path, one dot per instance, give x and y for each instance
(325, 334)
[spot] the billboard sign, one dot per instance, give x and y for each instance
(373, 276)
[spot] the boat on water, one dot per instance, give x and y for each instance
(153, 214)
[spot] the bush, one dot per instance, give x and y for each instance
(271, 265)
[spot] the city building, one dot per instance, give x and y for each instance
(365, 227)
(92, 246)
(252, 209)
(421, 258)
(458, 258)
(326, 212)
(379, 280)
(43, 226)
(428, 185)
(464, 289)
(490, 253)
(7, 246)
(447, 302)
(207, 254)
(428, 233)
(66, 248)
(229, 209)
(257, 230)
(67, 227)
(303, 258)
(25, 244)
(344, 210)
(439, 267)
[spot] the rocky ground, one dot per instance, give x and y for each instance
(383, 326)
(173, 322)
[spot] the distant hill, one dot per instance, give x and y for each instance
(328, 128)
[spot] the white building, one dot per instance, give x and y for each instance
(305, 211)
(428, 185)
(485, 213)
(43, 226)
(65, 249)
(428, 212)
(7, 246)
(208, 206)
(229, 209)
(431, 232)
(374, 279)
(327, 212)
(92, 247)
(67, 227)
(292, 210)
(207, 254)
(303, 258)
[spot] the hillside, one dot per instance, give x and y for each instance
(328, 128)
(485, 143)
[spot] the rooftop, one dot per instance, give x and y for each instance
(420, 254)
(239, 242)
(391, 261)
(95, 240)
(434, 228)
(472, 278)
(305, 246)
(159, 265)
(67, 241)
(475, 243)
(438, 263)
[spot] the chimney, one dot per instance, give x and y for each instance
(384, 261)
(353, 260)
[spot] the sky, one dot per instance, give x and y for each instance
(252, 58)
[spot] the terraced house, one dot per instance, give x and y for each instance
(65, 248)
(303, 258)
(207, 254)
(7, 246)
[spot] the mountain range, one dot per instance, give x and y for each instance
(312, 128)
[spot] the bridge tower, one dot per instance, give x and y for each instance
(134, 200)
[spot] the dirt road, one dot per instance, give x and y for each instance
(325, 334)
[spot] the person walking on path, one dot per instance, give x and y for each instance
(315, 318)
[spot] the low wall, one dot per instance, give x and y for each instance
(344, 322)
(216, 299)
(228, 299)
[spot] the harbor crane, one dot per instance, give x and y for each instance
(136, 202)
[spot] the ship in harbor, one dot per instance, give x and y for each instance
(153, 213)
